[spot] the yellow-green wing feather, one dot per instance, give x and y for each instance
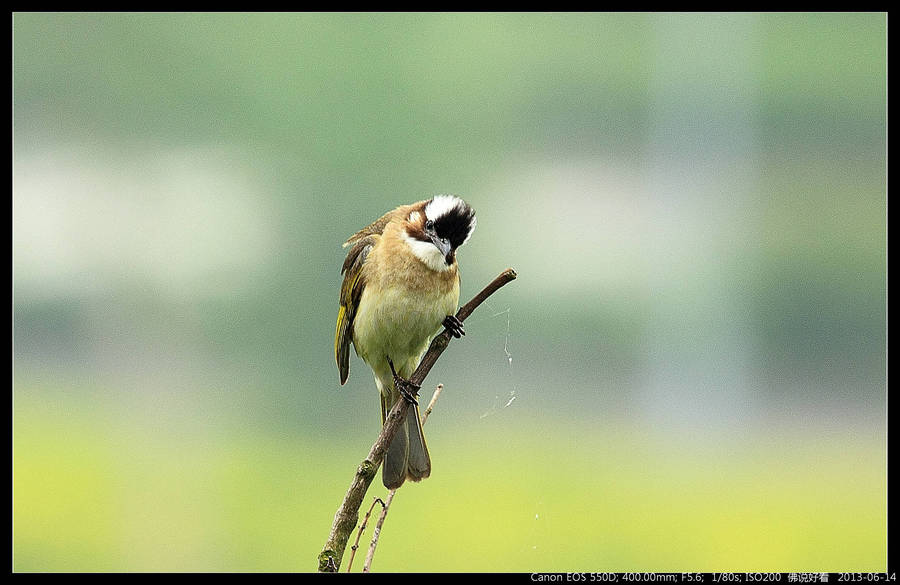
(351, 291)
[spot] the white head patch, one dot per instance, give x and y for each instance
(440, 205)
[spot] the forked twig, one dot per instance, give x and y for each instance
(377, 531)
(386, 504)
(362, 528)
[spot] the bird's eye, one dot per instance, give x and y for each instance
(429, 225)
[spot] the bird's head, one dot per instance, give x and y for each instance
(436, 228)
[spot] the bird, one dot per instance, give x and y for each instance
(400, 287)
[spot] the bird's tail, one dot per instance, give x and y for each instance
(407, 455)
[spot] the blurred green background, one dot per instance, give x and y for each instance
(689, 373)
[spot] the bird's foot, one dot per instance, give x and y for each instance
(407, 389)
(454, 326)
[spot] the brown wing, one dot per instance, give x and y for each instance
(374, 228)
(351, 291)
(377, 226)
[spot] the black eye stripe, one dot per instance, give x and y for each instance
(456, 224)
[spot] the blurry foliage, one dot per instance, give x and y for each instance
(165, 429)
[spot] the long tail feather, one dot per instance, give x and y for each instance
(393, 468)
(418, 462)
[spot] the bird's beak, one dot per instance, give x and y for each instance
(443, 244)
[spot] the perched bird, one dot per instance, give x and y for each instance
(401, 285)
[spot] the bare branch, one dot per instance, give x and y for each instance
(362, 528)
(434, 397)
(376, 532)
(329, 560)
